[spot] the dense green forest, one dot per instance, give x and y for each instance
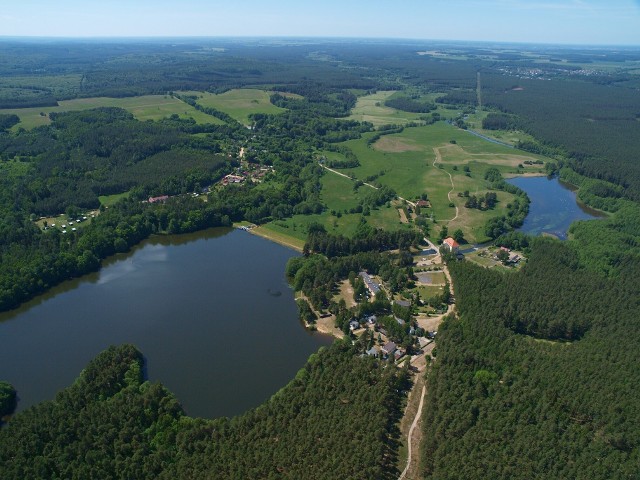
(335, 419)
(504, 403)
(535, 372)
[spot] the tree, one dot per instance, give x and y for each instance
(458, 236)
(503, 256)
(444, 233)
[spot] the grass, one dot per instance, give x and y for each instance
(108, 200)
(338, 195)
(371, 108)
(238, 103)
(148, 107)
(407, 160)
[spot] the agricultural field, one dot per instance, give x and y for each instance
(148, 107)
(424, 160)
(238, 103)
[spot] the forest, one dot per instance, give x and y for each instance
(535, 371)
(336, 418)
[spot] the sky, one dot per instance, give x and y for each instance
(590, 22)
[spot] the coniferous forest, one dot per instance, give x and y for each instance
(535, 371)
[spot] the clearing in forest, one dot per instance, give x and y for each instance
(238, 103)
(371, 108)
(147, 107)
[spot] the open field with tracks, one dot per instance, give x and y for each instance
(425, 160)
(238, 103)
(148, 107)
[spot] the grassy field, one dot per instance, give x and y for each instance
(238, 103)
(371, 108)
(148, 107)
(407, 160)
(338, 195)
(108, 200)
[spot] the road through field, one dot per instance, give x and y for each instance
(438, 159)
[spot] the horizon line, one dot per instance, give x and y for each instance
(302, 37)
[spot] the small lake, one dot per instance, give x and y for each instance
(554, 206)
(211, 312)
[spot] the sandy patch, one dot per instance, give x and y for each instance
(327, 325)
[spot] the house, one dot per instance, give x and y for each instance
(372, 319)
(161, 198)
(354, 325)
(403, 303)
(389, 348)
(450, 245)
(371, 285)
(398, 354)
(373, 351)
(422, 203)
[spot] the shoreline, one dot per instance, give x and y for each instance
(276, 238)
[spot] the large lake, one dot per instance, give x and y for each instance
(211, 312)
(553, 207)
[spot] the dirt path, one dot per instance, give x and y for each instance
(438, 159)
(412, 455)
(367, 184)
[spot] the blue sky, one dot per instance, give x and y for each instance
(539, 21)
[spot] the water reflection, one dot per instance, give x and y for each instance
(211, 312)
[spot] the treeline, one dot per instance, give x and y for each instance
(501, 404)
(517, 210)
(32, 261)
(336, 419)
(8, 399)
(366, 239)
(500, 121)
(595, 124)
(409, 105)
(459, 97)
(7, 121)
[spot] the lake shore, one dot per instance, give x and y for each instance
(279, 238)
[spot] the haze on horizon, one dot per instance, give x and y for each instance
(586, 22)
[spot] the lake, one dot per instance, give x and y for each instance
(211, 312)
(554, 206)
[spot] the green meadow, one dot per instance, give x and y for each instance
(148, 107)
(338, 194)
(425, 159)
(371, 108)
(238, 103)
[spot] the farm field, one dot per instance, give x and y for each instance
(238, 103)
(148, 107)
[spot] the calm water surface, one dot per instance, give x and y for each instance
(553, 207)
(211, 312)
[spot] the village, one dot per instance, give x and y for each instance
(416, 312)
